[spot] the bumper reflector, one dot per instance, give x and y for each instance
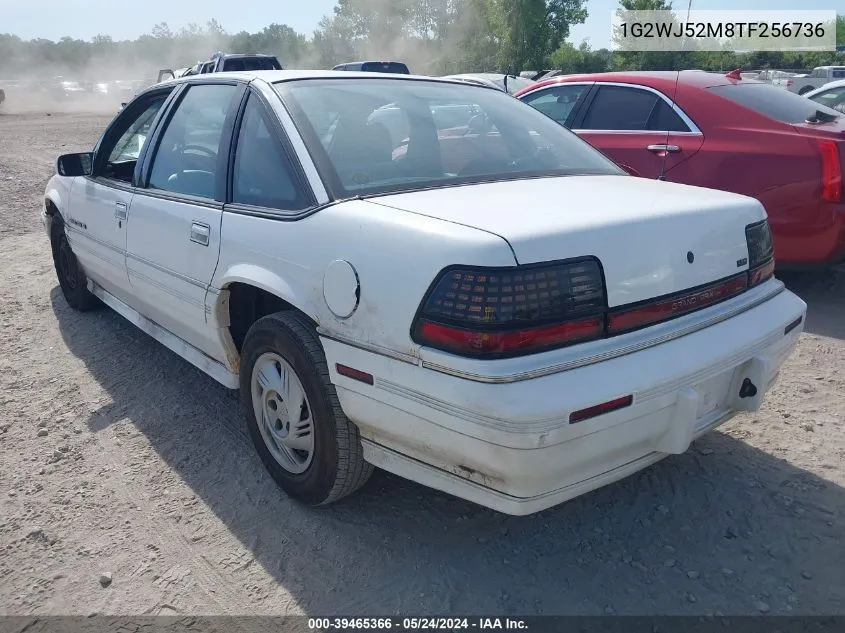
(600, 409)
(354, 374)
(793, 325)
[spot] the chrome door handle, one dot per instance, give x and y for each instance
(120, 210)
(663, 148)
(200, 233)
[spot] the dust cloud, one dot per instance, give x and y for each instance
(98, 75)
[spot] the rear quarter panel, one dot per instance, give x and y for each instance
(396, 256)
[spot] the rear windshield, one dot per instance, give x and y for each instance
(239, 64)
(374, 136)
(385, 67)
(772, 102)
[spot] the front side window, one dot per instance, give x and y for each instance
(619, 108)
(188, 157)
(373, 136)
(558, 102)
(133, 130)
(264, 175)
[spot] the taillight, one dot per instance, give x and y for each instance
(789, 83)
(655, 311)
(511, 311)
(831, 171)
(761, 262)
(499, 312)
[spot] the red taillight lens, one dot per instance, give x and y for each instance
(831, 171)
(761, 274)
(497, 312)
(676, 305)
(508, 343)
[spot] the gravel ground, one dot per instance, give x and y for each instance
(128, 484)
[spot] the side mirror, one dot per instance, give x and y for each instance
(72, 165)
(630, 170)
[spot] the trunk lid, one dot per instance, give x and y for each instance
(644, 232)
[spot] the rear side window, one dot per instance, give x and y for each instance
(618, 108)
(772, 102)
(838, 73)
(187, 160)
(665, 119)
(264, 175)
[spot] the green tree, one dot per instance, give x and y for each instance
(580, 60)
(562, 14)
(524, 30)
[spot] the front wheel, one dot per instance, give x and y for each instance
(305, 441)
(71, 277)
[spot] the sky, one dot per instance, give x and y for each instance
(83, 19)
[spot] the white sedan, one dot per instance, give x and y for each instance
(487, 306)
(831, 94)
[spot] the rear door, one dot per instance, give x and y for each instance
(173, 240)
(637, 127)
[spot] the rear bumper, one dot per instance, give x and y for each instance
(511, 446)
(817, 241)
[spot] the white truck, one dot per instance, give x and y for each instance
(816, 79)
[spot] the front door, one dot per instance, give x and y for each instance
(99, 205)
(174, 224)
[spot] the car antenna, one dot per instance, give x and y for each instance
(662, 175)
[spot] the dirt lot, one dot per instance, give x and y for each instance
(116, 457)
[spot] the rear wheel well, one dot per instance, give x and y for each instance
(247, 304)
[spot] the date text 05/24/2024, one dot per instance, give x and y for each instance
(416, 624)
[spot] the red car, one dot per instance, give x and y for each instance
(722, 132)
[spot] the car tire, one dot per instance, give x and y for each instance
(72, 279)
(279, 406)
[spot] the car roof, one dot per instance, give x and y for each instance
(277, 76)
(372, 61)
(654, 79)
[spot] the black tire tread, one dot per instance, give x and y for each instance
(352, 471)
(82, 300)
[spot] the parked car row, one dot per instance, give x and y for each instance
(802, 84)
(433, 277)
(721, 132)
